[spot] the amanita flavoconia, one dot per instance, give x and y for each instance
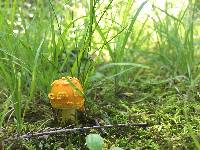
(67, 96)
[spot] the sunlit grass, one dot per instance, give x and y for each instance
(111, 44)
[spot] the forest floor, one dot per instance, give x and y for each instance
(169, 107)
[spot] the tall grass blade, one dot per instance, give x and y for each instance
(18, 103)
(34, 72)
(130, 27)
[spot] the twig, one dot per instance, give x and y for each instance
(102, 129)
(66, 130)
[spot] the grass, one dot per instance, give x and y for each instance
(175, 40)
(151, 73)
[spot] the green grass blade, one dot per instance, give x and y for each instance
(131, 26)
(110, 65)
(18, 104)
(34, 72)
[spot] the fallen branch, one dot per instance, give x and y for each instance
(66, 130)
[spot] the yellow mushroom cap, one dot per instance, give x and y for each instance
(66, 95)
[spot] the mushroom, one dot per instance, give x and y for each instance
(67, 96)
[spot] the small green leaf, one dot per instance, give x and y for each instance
(94, 142)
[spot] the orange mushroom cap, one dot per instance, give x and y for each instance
(66, 94)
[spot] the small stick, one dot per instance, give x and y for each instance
(64, 130)
(102, 129)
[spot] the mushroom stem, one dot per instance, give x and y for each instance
(67, 115)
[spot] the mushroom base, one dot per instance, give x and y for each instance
(66, 115)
